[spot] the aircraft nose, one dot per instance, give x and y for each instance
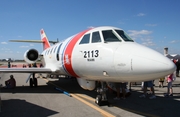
(151, 63)
(139, 63)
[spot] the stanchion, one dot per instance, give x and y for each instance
(66, 93)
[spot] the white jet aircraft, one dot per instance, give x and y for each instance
(103, 54)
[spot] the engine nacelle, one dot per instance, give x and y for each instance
(31, 56)
(86, 84)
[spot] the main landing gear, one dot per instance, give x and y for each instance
(33, 81)
(101, 98)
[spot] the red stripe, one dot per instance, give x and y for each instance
(68, 53)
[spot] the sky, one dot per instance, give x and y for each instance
(152, 23)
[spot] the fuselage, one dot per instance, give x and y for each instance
(106, 54)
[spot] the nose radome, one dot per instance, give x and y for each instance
(151, 63)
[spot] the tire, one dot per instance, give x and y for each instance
(98, 100)
(31, 82)
(35, 82)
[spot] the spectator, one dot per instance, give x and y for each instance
(178, 67)
(121, 86)
(9, 64)
(161, 82)
(34, 65)
(41, 65)
(170, 78)
(145, 85)
(29, 65)
(11, 83)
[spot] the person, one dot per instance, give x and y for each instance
(161, 82)
(170, 78)
(34, 65)
(121, 86)
(9, 64)
(177, 67)
(41, 65)
(145, 85)
(29, 65)
(11, 83)
(24, 66)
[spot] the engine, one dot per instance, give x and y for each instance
(31, 56)
(86, 84)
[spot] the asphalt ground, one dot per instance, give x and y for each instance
(45, 100)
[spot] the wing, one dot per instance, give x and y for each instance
(25, 70)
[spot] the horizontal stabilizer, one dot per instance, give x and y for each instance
(33, 41)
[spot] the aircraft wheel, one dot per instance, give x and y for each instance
(35, 82)
(31, 82)
(98, 100)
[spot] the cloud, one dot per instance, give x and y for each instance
(90, 27)
(151, 25)
(24, 46)
(121, 22)
(148, 43)
(5, 49)
(141, 14)
(31, 44)
(4, 43)
(142, 36)
(174, 41)
(135, 33)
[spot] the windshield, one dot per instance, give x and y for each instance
(109, 36)
(124, 36)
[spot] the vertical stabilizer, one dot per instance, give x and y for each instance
(46, 43)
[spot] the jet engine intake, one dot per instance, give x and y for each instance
(31, 56)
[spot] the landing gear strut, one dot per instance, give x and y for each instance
(101, 98)
(33, 81)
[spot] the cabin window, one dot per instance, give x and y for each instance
(109, 36)
(96, 37)
(85, 39)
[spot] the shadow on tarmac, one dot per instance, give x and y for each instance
(21, 108)
(159, 107)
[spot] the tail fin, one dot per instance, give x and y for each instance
(44, 39)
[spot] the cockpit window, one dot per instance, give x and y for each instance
(109, 36)
(124, 36)
(85, 39)
(96, 37)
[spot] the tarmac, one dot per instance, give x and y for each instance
(46, 101)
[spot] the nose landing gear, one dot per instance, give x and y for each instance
(101, 98)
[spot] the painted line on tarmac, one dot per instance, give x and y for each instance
(91, 99)
(86, 97)
(103, 112)
(79, 97)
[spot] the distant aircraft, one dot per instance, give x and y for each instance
(103, 54)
